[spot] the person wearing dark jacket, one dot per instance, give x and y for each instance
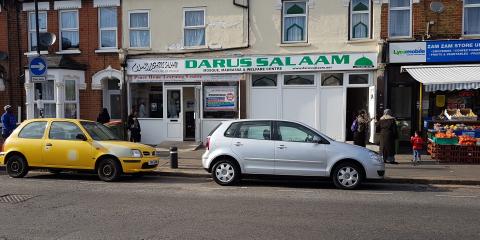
(9, 122)
(134, 126)
(360, 133)
(103, 117)
(388, 134)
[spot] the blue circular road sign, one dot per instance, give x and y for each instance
(38, 66)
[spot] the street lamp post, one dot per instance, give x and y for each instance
(122, 56)
(37, 27)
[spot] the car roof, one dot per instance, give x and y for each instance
(56, 119)
(262, 119)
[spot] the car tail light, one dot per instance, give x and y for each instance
(207, 143)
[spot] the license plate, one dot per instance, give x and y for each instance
(153, 162)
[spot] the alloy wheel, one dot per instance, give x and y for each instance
(348, 176)
(225, 172)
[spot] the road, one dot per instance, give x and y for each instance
(70, 206)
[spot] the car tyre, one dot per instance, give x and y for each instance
(347, 176)
(109, 170)
(226, 172)
(17, 166)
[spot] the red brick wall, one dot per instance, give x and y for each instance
(448, 24)
(90, 100)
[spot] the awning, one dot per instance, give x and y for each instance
(446, 77)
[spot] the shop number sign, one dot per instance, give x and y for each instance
(311, 62)
(220, 98)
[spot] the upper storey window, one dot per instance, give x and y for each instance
(294, 21)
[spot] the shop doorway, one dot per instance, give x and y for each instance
(189, 114)
(174, 113)
(357, 99)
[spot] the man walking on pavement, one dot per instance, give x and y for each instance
(9, 122)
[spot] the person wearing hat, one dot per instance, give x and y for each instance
(9, 122)
(388, 134)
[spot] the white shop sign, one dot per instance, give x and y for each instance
(289, 63)
(185, 78)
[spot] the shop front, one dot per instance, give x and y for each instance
(442, 82)
(184, 99)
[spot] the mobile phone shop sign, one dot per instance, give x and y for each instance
(435, 51)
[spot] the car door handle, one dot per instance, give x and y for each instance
(48, 145)
(281, 147)
(238, 144)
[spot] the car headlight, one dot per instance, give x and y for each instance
(375, 157)
(136, 153)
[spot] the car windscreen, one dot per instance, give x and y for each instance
(99, 132)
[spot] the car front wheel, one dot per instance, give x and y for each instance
(347, 176)
(109, 170)
(226, 172)
(17, 166)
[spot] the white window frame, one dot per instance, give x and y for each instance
(100, 29)
(204, 26)
(346, 81)
(466, 5)
(282, 78)
(61, 29)
(54, 101)
(369, 12)
(410, 7)
(130, 29)
(30, 31)
(284, 15)
(76, 101)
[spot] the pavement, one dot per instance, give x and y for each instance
(79, 206)
(427, 172)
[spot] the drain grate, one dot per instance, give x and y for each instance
(15, 198)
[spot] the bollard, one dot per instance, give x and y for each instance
(173, 157)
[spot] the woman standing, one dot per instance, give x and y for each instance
(361, 129)
(388, 134)
(103, 117)
(134, 127)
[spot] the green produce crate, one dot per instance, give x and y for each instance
(445, 141)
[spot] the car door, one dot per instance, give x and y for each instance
(253, 145)
(62, 148)
(298, 150)
(30, 141)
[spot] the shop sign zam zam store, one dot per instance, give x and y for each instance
(253, 64)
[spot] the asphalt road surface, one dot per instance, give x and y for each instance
(70, 206)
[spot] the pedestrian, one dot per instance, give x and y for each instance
(103, 116)
(417, 146)
(388, 134)
(360, 128)
(134, 126)
(9, 122)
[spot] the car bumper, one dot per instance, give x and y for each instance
(376, 171)
(2, 157)
(131, 165)
(205, 160)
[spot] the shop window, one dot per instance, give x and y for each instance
(471, 17)
(194, 27)
(292, 80)
(294, 21)
(139, 25)
(264, 80)
(358, 79)
(33, 130)
(360, 19)
(69, 30)
(147, 99)
(45, 105)
(220, 100)
(332, 79)
(400, 18)
(71, 99)
(108, 27)
(32, 36)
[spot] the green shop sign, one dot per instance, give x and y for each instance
(293, 63)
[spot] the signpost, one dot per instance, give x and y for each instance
(38, 69)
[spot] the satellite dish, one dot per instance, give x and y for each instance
(47, 39)
(437, 7)
(3, 56)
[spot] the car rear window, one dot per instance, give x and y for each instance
(33, 130)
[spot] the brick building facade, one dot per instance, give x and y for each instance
(80, 64)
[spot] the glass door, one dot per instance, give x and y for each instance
(174, 100)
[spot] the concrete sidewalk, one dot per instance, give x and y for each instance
(427, 172)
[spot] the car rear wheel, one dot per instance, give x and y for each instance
(226, 172)
(347, 176)
(17, 166)
(109, 170)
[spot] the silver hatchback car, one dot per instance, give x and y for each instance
(277, 147)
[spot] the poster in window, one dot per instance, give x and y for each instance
(220, 98)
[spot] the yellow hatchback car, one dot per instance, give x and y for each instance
(68, 144)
